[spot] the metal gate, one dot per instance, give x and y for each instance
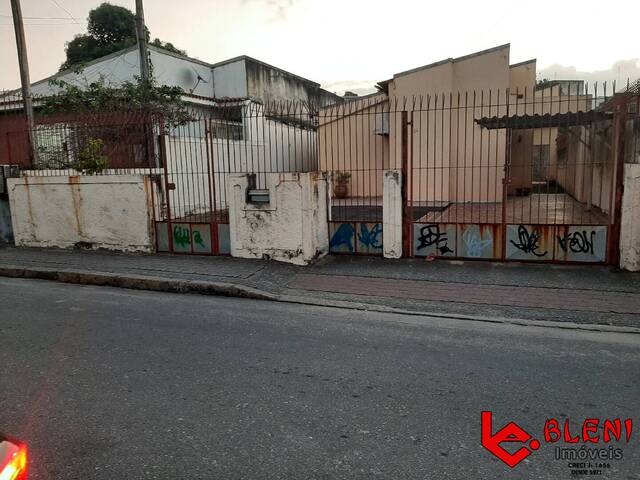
(223, 137)
(531, 175)
(527, 176)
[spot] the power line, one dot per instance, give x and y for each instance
(39, 18)
(37, 24)
(65, 11)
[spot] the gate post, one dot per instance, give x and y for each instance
(620, 116)
(167, 185)
(406, 216)
(392, 206)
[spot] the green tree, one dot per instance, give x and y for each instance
(161, 101)
(110, 28)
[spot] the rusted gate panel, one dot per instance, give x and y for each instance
(14, 140)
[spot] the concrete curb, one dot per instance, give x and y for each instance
(163, 284)
(136, 282)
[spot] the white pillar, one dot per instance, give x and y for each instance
(392, 213)
(630, 220)
(290, 226)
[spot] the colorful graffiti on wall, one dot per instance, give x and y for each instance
(192, 238)
(365, 238)
(457, 240)
(579, 243)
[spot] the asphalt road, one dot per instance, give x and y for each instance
(107, 384)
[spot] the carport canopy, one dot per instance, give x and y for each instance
(519, 122)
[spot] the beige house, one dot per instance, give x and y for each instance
(442, 99)
(453, 157)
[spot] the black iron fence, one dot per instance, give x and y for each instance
(519, 173)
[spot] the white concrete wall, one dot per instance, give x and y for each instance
(630, 230)
(392, 214)
(291, 228)
(230, 79)
(101, 211)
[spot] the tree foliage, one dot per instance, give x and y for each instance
(110, 28)
(160, 101)
(91, 159)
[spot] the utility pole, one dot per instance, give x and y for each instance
(142, 42)
(141, 34)
(21, 44)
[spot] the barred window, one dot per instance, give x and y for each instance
(228, 122)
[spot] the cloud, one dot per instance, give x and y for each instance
(361, 87)
(620, 71)
(278, 7)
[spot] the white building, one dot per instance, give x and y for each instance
(240, 127)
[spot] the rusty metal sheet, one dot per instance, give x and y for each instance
(162, 236)
(437, 239)
(479, 241)
(224, 239)
(201, 238)
(530, 242)
(581, 243)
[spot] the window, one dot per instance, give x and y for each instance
(227, 122)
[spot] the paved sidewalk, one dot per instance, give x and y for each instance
(552, 293)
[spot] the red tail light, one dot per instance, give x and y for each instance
(13, 461)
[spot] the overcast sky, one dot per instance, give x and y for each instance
(352, 44)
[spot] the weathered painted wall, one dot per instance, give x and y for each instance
(392, 214)
(272, 84)
(291, 228)
(230, 79)
(6, 231)
(630, 233)
(102, 211)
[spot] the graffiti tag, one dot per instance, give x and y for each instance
(197, 237)
(474, 243)
(431, 235)
(370, 238)
(528, 241)
(343, 236)
(181, 236)
(578, 242)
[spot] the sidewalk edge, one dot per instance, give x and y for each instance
(161, 284)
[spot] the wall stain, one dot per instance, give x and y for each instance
(74, 183)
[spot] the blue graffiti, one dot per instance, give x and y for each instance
(343, 236)
(370, 238)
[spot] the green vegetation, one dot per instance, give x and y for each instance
(90, 158)
(110, 28)
(160, 101)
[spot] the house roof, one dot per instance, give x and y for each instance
(452, 60)
(519, 64)
(172, 54)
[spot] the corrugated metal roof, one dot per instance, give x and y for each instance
(543, 121)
